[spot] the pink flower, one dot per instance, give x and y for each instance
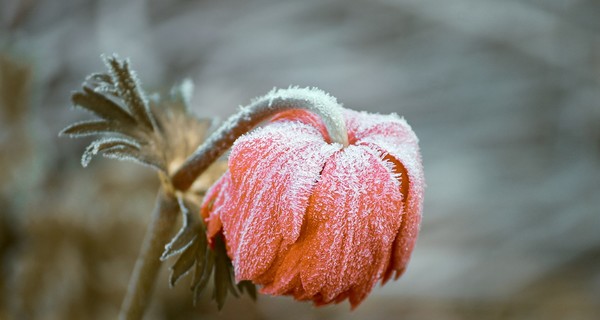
(305, 217)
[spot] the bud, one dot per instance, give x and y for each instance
(311, 218)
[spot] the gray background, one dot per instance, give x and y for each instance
(504, 96)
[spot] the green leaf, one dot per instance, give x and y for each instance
(100, 78)
(191, 230)
(222, 283)
(164, 130)
(103, 144)
(201, 263)
(206, 273)
(248, 287)
(101, 106)
(127, 153)
(128, 87)
(208, 262)
(180, 242)
(224, 275)
(184, 263)
(93, 127)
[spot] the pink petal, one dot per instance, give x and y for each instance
(273, 172)
(306, 117)
(213, 204)
(389, 127)
(392, 135)
(348, 232)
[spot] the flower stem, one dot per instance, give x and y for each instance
(276, 101)
(147, 266)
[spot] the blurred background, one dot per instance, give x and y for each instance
(504, 95)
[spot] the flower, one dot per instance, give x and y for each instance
(306, 217)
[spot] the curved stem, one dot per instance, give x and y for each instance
(147, 266)
(313, 100)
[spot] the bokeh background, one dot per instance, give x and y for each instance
(504, 95)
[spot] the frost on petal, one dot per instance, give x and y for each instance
(316, 101)
(363, 125)
(304, 117)
(396, 139)
(350, 225)
(273, 173)
(407, 236)
(214, 203)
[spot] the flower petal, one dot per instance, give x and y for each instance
(306, 117)
(392, 135)
(388, 127)
(273, 172)
(349, 228)
(214, 203)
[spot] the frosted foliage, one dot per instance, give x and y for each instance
(159, 132)
(273, 171)
(187, 90)
(105, 144)
(128, 87)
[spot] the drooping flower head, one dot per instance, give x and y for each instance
(304, 216)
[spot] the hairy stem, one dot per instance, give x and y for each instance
(313, 100)
(147, 266)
